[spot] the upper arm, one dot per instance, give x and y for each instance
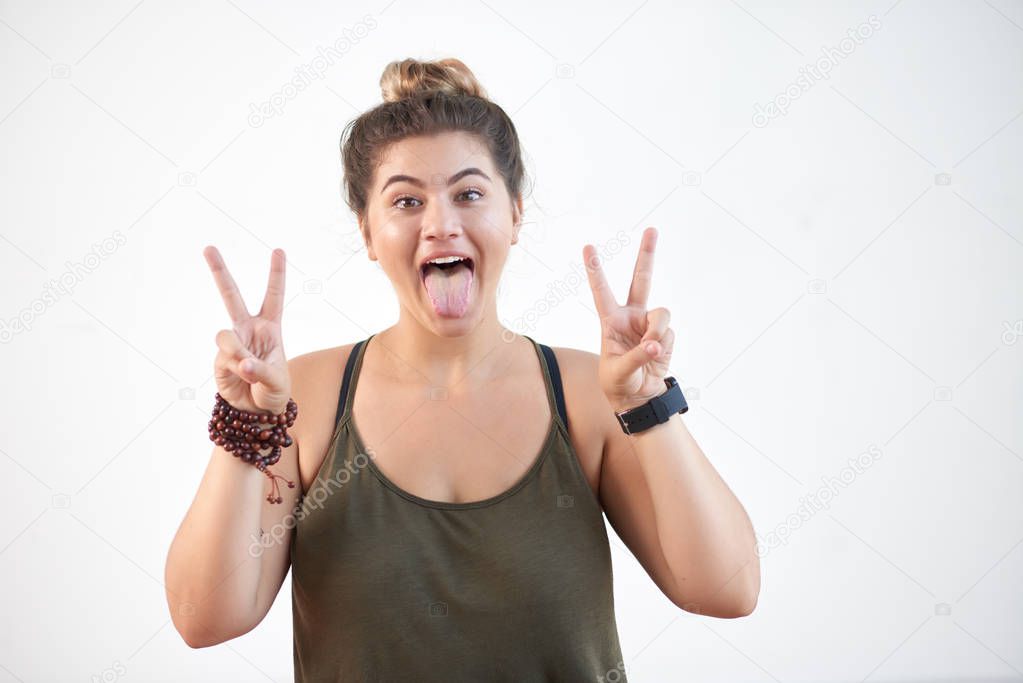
(624, 493)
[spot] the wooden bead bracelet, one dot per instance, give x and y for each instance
(241, 433)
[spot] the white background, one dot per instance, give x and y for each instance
(831, 290)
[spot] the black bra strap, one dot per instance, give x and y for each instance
(344, 382)
(552, 368)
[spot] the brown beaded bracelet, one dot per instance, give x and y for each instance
(240, 433)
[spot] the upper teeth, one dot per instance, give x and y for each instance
(446, 259)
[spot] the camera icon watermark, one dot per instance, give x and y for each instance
(817, 286)
(943, 609)
(943, 394)
(692, 178)
(942, 179)
(61, 501)
(313, 286)
(61, 71)
(566, 501)
(438, 609)
(438, 393)
(186, 394)
(564, 71)
(187, 179)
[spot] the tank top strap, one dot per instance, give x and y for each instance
(548, 362)
(552, 380)
(344, 403)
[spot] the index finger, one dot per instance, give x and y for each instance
(225, 283)
(602, 296)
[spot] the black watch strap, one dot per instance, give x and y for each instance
(655, 411)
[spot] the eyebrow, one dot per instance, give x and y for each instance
(419, 183)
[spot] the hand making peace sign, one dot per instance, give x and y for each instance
(630, 374)
(250, 368)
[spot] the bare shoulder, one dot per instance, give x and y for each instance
(586, 406)
(307, 366)
(575, 361)
(315, 386)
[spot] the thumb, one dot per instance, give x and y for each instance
(255, 370)
(640, 356)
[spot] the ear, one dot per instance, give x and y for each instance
(517, 212)
(364, 230)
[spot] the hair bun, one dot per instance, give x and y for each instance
(408, 77)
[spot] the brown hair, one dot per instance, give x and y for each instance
(423, 98)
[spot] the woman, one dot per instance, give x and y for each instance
(447, 477)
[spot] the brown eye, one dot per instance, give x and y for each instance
(400, 199)
(397, 202)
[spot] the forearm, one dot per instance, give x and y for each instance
(705, 534)
(211, 576)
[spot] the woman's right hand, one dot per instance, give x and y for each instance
(250, 368)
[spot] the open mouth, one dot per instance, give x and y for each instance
(448, 283)
(447, 266)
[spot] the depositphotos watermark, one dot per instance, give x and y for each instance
(1011, 331)
(560, 289)
(305, 74)
(313, 500)
(110, 674)
(820, 499)
(74, 272)
(811, 73)
(613, 675)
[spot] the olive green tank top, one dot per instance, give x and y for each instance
(388, 586)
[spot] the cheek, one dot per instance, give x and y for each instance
(396, 252)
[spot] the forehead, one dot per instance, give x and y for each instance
(434, 156)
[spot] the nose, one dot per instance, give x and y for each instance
(441, 221)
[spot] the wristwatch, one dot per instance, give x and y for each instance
(655, 411)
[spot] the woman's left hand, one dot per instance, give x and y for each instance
(630, 374)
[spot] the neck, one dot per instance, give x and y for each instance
(454, 354)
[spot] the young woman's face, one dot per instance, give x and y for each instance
(413, 213)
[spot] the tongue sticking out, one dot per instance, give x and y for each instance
(449, 289)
